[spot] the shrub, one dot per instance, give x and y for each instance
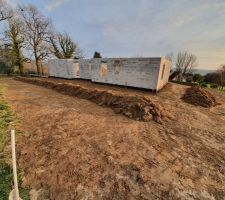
(197, 77)
(212, 78)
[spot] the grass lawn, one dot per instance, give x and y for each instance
(6, 176)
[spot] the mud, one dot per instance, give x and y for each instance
(199, 97)
(135, 107)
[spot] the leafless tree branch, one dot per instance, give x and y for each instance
(5, 11)
(37, 32)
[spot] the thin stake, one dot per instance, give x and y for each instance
(16, 190)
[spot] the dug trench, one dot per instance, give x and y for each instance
(134, 107)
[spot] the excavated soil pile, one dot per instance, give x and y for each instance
(135, 107)
(200, 97)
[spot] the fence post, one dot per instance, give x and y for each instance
(16, 190)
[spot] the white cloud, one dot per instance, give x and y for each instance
(199, 30)
(11, 2)
(55, 4)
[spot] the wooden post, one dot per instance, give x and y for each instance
(16, 190)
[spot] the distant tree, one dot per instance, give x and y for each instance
(212, 78)
(217, 77)
(63, 47)
(184, 63)
(97, 55)
(15, 41)
(197, 77)
(37, 31)
(6, 60)
(4, 68)
(5, 11)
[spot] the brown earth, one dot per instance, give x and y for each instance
(76, 149)
(200, 97)
(134, 107)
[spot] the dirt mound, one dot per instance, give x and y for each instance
(135, 107)
(200, 97)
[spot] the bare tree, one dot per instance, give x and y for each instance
(184, 63)
(5, 11)
(15, 41)
(37, 33)
(63, 46)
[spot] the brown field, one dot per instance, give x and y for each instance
(76, 149)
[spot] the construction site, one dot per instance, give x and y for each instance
(112, 100)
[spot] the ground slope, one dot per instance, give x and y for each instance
(77, 149)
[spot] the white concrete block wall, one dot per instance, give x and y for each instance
(136, 72)
(64, 68)
(75, 70)
(164, 73)
(95, 69)
(85, 69)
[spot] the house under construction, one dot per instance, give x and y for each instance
(148, 73)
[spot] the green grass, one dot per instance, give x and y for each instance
(6, 177)
(202, 84)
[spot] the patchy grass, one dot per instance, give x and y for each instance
(6, 176)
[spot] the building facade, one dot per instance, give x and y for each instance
(148, 73)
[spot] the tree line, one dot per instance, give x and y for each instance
(185, 63)
(29, 34)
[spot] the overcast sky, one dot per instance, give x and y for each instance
(119, 28)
